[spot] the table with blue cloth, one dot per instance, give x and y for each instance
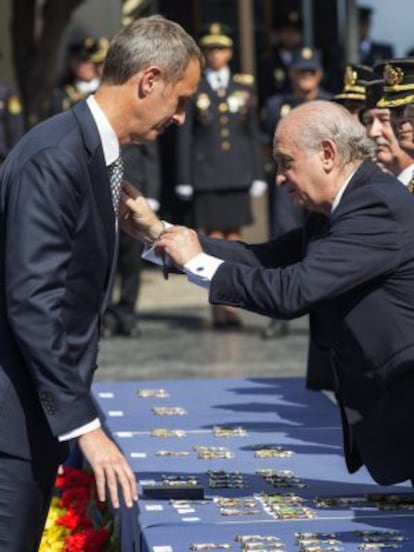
(164, 429)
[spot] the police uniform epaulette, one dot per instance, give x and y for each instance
(243, 78)
(74, 94)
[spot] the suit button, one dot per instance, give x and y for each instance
(225, 145)
(223, 107)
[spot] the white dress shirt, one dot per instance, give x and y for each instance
(406, 175)
(218, 79)
(111, 150)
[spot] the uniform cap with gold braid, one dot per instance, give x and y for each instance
(215, 35)
(355, 78)
(306, 59)
(398, 77)
(85, 49)
(101, 50)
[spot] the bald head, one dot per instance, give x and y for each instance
(317, 146)
(311, 123)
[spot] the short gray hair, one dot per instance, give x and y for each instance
(148, 41)
(322, 120)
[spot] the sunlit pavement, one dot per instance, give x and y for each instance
(177, 340)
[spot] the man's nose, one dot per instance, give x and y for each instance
(179, 118)
(280, 179)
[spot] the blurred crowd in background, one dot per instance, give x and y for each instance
(221, 159)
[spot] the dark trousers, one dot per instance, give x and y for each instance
(25, 493)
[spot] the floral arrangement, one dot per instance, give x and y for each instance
(77, 521)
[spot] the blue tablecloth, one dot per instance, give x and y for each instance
(277, 412)
(176, 538)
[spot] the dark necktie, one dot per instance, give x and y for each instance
(116, 175)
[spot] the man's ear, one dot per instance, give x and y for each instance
(329, 154)
(150, 76)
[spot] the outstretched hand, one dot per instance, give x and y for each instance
(110, 467)
(136, 217)
(179, 243)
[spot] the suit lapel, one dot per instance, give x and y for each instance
(98, 173)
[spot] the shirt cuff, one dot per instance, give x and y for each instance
(201, 269)
(148, 253)
(90, 426)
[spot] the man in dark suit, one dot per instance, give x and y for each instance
(354, 274)
(59, 210)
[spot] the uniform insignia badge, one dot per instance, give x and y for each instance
(215, 29)
(306, 53)
(203, 102)
(279, 75)
(14, 106)
(285, 109)
(393, 75)
(244, 78)
(350, 76)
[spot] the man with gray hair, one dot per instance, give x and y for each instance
(353, 273)
(60, 190)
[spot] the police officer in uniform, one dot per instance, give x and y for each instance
(82, 77)
(305, 76)
(11, 119)
(218, 150)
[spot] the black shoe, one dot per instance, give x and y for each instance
(275, 329)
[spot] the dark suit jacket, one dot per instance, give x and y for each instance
(218, 146)
(357, 281)
(56, 248)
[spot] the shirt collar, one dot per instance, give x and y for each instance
(341, 192)
(109, 139)
(406, 175)
(216, 77)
